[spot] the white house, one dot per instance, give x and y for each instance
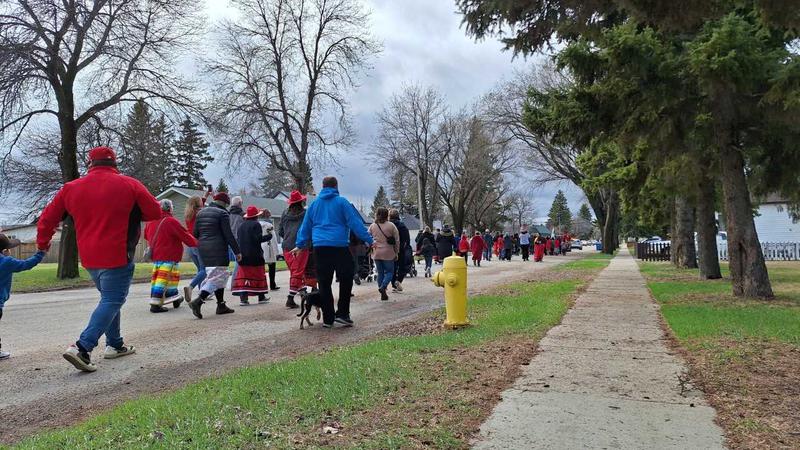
(774, 223)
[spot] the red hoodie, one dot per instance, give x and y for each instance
(463, 244)
(107, 209)
(171, 235)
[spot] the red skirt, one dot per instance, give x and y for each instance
(250, 280)
(538, 252)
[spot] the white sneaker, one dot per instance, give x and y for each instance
(82, 361)
(113, 353)
(4, 355)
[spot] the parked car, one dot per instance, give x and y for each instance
(577, 243)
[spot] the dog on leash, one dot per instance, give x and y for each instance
(309, 300)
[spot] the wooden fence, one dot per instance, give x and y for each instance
(653, 251)
(773, 251)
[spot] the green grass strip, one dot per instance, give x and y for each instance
(592, 262)
(295, 396)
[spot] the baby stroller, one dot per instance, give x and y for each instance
(411, 267)
(365, 269)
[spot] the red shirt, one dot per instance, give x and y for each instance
(168, 245)
(107, 209)
(463, 244)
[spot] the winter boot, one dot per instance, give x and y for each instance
(290, 302)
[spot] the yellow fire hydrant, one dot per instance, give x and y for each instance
(453, 278)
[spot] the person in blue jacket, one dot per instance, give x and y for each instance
(8, 267)
(327, 226)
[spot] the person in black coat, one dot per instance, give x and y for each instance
(251, 279)
(400, 267)
(212, 228)
(424, 234)
(445, 243)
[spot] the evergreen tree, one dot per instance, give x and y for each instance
(221, 186)
(191, 156)
(584, 213)
(274, 181)
(147, 149)
(560, 215)
(381, 199)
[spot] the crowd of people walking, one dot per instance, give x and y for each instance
(325, 241)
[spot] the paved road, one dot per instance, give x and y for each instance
(604, 378)
(39, 389)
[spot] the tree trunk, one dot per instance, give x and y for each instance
(748, 270)
(683, 251)
(611, 225)
(422, 207)
(68, 160)
(302, 178)
(707, 252)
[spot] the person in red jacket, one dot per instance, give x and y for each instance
(463, 246)
(477, 246)
(166, 238)
(107, 210)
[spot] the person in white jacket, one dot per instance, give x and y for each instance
(270, 253)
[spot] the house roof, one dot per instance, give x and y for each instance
(541, 229)
(275, 206)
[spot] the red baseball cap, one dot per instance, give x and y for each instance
(102, 154)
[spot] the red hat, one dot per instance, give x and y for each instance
(295, 197)
(222, 197)
(102, 154)
(252, 212)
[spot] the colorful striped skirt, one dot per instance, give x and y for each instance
(164, 282)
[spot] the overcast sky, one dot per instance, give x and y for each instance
(423, 42)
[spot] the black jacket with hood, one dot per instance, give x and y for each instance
(445, 243)
(288, 227)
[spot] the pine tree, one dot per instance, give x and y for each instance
(584, 213)
(147, 149)
(381, 199)
(191, 156)
(221, 186)
(560, 215)
(274, 181)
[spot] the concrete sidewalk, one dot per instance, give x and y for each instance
(604, 378)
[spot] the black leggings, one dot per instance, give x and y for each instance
(271, 267)
(336, 260)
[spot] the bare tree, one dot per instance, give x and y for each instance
(520, 209)
(477, 157)
(408, 137)
(282, 78)
(505, 106)
(69, 61)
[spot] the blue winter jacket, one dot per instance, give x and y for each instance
(329, 220)
(8, 267)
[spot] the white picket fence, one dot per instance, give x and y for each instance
(773, 251)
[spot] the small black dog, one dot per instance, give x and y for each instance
(307, 301)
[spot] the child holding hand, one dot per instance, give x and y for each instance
(8, 267)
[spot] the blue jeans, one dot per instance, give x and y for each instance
(385, 272)
(201, 268)
(487, 254)
(113, 285)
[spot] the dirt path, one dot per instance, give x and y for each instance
(38, 389)
(604, 378)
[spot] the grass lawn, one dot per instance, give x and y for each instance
(43, 277)
(745, 353)
(409, 388)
